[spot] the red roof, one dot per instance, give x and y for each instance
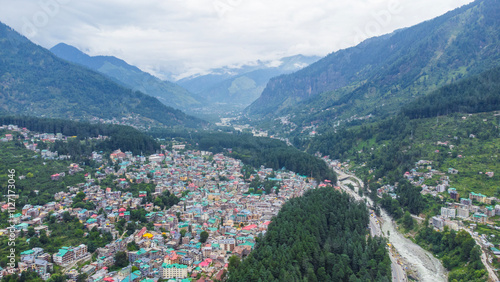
(122, 210)
(249, 227)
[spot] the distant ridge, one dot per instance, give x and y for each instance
(35, 82)
(129, 76)
(382, 74)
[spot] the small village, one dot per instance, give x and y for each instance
(214, 198)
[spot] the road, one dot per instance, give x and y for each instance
(491, 273)
(428, 267)
(398, 274)
(374, 226)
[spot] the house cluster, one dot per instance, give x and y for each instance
(31, 140)
(36, 260)
(466, 210)
(214, 198)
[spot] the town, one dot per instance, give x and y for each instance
(220, 209)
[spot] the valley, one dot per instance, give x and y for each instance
(375, 162)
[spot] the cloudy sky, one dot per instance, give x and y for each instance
(185, 37)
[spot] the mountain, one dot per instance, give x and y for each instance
(384, 73)
(35, 82)
(129, 76)
(242, 85)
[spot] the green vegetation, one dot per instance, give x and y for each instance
(473, 95)
(382, 74)
(458, 251)
(129, 76)
(35, 82)
(203, 236)
(468, 142)
(124, 137)
(69, 233)
(38, 175)
(318, 237)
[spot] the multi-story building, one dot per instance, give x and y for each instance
(462, 213)
(174, 271)
(69, 254)
(437, 222)
(448, 212)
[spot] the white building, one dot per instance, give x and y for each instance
(463, 213)
(447, 212)
(437, 222)
(174, 271)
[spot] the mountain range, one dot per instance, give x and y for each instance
(130, 76)
(35, 82)
(240, 86)
(382, 74)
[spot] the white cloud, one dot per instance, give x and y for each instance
(185, 37)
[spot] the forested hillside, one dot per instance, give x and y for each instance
(382, 74)
(129, 76)
(392, 146)
(321, 236)
(35, 82)
(480, 93)
(121, 137)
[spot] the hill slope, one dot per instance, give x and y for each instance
(466, 138)
(129, 76)
(382, 74)
(241, 86)
(35, 82)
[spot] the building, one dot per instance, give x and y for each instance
(477, 196)
(69, 254)
(437, 222)
(490, 211)
(64, 256)
(465, 201)
(447, 212)
(462, 213)
(454, 195)
(174, 271)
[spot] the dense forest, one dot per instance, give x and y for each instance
(35, 82)
(382, 74)
(458, 251)
(387, 144)
(480, 93)
(321, 236)
(255, 151)
(122, 137)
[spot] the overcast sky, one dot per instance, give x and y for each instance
(192, 36)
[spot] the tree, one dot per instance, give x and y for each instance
(183, 232)
(67, 217)
(203, 236)
(407, 220)
(82, 277)
(121, 259)
(234, 262)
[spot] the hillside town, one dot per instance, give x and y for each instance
(215, 197)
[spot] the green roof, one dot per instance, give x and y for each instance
(175, 265)
(28, 252)
(62, 252)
